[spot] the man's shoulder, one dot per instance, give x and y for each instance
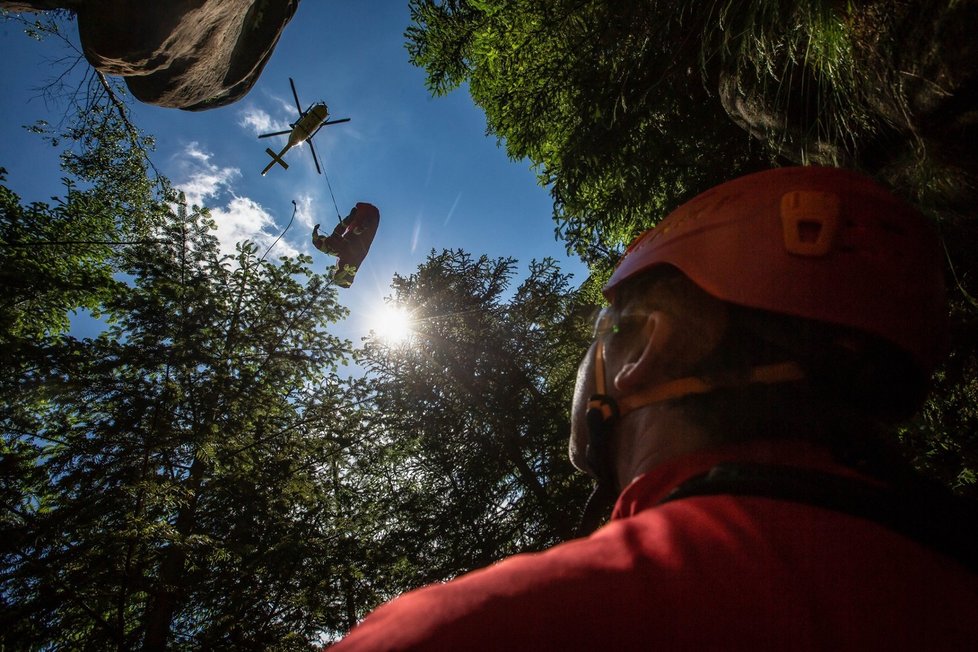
(512, 600)
(554, 597)
(690, 572)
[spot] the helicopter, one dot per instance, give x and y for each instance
(302, 130)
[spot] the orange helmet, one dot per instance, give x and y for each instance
(818, 243)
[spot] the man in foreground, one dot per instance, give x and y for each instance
(737, 400)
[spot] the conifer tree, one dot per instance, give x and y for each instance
(475, 406)
(171, 482)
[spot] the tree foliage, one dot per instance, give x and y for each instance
(58, 257)
(476, 408)
(629, 108)
(598, 95)
(171, 484)
(198, 475)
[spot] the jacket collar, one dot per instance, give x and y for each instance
(648, 489)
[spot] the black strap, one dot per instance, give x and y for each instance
(601, 414)
(597, 508)
(939, 521)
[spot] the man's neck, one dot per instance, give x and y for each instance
(652, 435)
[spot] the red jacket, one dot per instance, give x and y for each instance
(712, 572)
(350, 241)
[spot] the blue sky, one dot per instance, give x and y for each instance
(426, 162)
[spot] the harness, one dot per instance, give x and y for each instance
(933, 518)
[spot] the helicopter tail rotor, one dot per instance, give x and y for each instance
(277, 158)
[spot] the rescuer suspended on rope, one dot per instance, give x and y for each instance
(350, 241)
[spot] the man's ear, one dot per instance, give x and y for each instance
(648, 358)
(670, 346)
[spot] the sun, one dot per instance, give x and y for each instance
(393, 325)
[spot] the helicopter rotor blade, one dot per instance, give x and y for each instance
(295, 95)
(275, 133)
(315, 160)
(329, 122)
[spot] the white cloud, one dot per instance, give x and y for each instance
(259, 121)
(451, 211)
(237, 218)
(287, 106)
(205, 180)
(416, 233)
(195, 152)
(306, 214)
(245, 219)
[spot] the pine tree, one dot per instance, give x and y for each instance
(473, 466)
(171, 480)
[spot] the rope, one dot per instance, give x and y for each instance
(328, 185)
(295, 207)
(950, 263)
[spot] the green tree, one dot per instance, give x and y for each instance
(599, 96)
(474, 407)
(628, 108)
(56, 258)
(173, 484)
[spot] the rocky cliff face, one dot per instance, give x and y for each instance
(908, 114)
(187, 54)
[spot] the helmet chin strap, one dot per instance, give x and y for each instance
(769, 374)
(603, 412)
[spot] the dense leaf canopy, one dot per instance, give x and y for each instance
(481, 393)
(168, 485)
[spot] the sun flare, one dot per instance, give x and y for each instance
(393, 325)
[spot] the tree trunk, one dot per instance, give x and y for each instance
(159, 614)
